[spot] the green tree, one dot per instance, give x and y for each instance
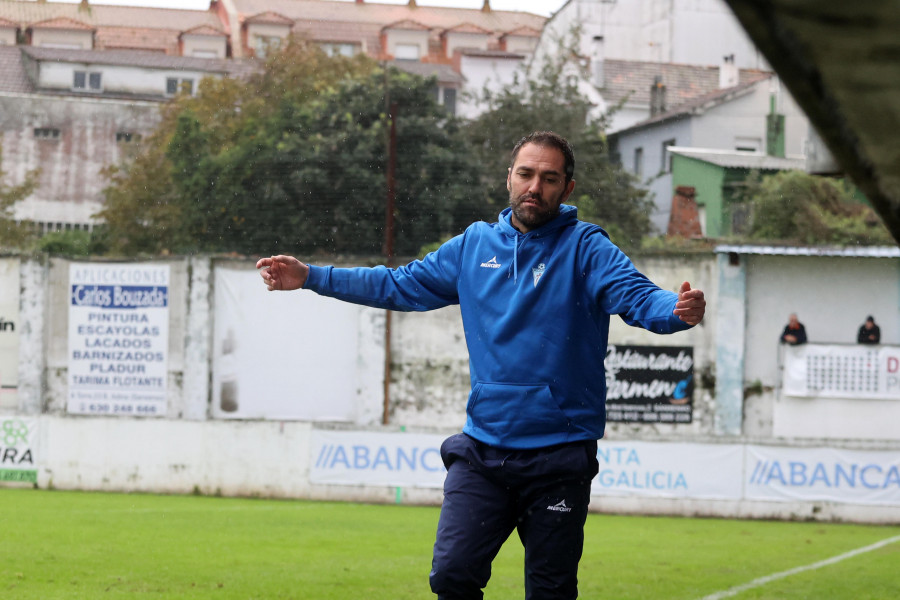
(802, 208)
(550, 100)
(14, 235)
(294, 160)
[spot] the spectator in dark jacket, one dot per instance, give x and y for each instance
(794, 332)
(869, 332)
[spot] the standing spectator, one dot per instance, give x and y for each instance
(794, 332)
(869, 332)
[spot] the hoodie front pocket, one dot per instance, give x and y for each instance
(516, 411)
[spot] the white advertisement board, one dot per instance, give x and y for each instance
(670, 470)
(18, 439)
(842, 371)
(9, 334)
(388, 459)
(118, 338)
(643, 469)
(282, 355)
(831, 474)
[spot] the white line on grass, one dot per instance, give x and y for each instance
(812, 567)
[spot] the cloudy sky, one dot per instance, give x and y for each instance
(539, 7)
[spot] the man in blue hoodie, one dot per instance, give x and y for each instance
(536, 290)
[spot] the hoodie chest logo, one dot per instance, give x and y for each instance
(491, 264)
(538, 272)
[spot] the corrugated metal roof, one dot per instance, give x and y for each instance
(740, 160)
(848, 252)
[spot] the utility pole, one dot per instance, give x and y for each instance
(388, 248)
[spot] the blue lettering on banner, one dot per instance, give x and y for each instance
(800, 474)
(634, 479)
(382, 458)
(118, 296)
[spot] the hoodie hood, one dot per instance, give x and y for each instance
(568, 214)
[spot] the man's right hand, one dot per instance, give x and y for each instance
(283, 272)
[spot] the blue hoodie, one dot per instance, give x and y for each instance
(535, 310)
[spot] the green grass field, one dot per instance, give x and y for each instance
(87, 545)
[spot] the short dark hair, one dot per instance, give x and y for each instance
(552, 140)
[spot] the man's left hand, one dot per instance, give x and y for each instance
(691, 305)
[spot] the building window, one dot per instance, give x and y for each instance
(205, 54)
(666, 158)
(406, 51)
(174, 86)
(748, 144)
(126, 137)
(450, 100)
(638, 162)
(87, 81)
(263, 45)
(339, 49)
(46, 133)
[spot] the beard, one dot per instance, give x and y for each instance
(530, 215)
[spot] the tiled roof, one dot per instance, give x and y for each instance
(632, 79)
(433, 17)
(61, 23)
(444, 73)
(523, 31)
(204, 30)
(135, 58)
(137, 38)
(26, 12)
(703, 101)
(270, 18)
(407, 24)
(467, 28)
(490, 53)
(741, 160)
(12, 72)
(338, 31)
(7, 24)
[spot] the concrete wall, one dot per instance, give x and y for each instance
(70, 188)
(831, 309)
(191, 450)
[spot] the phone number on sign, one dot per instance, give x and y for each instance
(112, 408)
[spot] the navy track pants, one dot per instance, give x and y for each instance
(489, 492)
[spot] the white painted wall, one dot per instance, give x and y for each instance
(203, 46)
(60, 38)
(406, 37)
(485, 72)
(461, 39)
(115, 78)
(656, 31)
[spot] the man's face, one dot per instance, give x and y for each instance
(537, 186)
